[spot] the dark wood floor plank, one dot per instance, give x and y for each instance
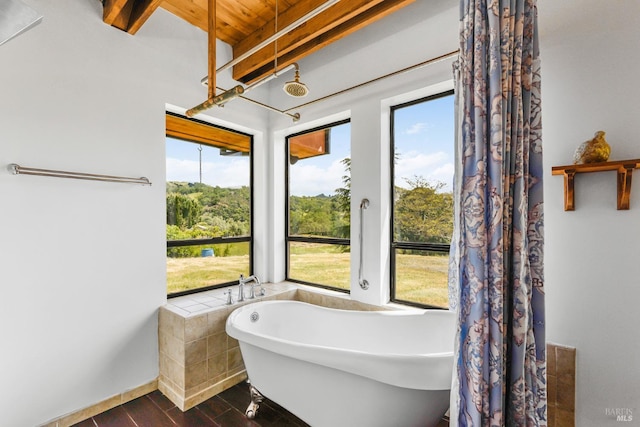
(214, 407)
(235, 418)
(116, 417)
(286, 417)
(161, 400)
(224, 410)
(267, 415)
(146, 414)
(86, 423)
(194, 417)
(237, 396)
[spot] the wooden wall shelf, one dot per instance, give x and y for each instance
(623, 167)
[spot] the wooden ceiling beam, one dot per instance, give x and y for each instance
(116, 13)
(336, 22)
(142, 10)
(128, 15)
(192, 130)
(327, 38)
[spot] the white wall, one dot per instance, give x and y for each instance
(82, 264)
(590, 63)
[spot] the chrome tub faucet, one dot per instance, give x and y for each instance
(255, 281)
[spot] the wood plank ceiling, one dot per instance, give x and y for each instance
(244, 24)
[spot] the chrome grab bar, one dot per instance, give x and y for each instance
(21, 170)
(364, 204)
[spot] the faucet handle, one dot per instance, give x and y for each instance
(229, 296)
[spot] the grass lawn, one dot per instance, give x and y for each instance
(189, 273)
(421, 279)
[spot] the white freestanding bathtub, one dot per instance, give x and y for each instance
(347, 368)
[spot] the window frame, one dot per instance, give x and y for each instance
(215, 240)
(316, 240)
(394, 245)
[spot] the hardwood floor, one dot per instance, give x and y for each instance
(224, 410)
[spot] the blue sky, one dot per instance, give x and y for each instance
(322, 174)
(424, 135)
(183, 164)
(424, 138)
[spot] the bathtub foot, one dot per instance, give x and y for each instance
(256, 400)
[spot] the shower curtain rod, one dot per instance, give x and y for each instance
(296, 116)
(20, 170)
(431, 61)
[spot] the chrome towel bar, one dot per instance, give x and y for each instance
(20, 170)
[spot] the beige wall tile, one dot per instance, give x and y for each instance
(195, 327)
(217, 365)
(169, 383)
(551, 416)
(565, 418)
(551, 389)
(216, 321)
(176, 396)
(172, 370)
(195, 374)
(565, 361)
(236, 369)
(172, 347)
(195, 351)
(234, 358)
(232, 342)
(216, 344)
(171, 323)
(137, 392)
(551, 359)
(235, 379)
(103, 406)
(566, 392)
(561, 383)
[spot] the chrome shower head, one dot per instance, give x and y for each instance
(296, 87)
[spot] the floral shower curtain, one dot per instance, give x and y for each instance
(496, 269)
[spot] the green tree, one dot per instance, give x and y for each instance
(341, 212)
(182, 211)
(310, 215)
(422, 213)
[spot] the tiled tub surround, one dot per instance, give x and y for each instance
(561, 385)
(197, 358)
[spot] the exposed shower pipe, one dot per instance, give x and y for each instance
(239, 89)
(211, 42)
(205, 80)
(212, 99)
(431, 61)
(270, 77)
(296, 116)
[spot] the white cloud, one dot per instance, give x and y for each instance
(225, 173)
(416, 128)
(311, 180)
(435, 167)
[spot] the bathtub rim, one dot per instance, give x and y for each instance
(388, 368)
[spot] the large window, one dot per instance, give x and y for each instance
(208, 205)
(318, 206)
(422, 198)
